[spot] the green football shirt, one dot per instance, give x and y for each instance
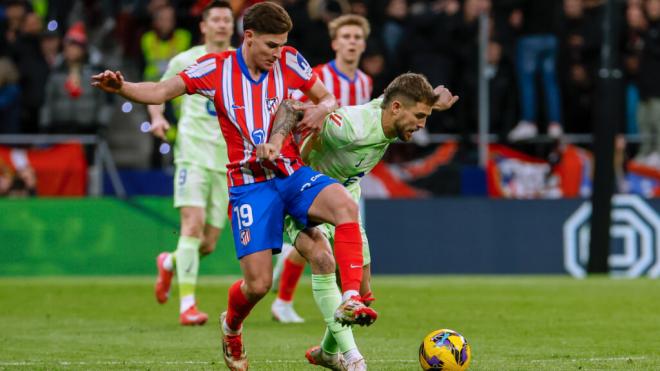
(350, 144)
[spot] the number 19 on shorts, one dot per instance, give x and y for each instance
(243, 215)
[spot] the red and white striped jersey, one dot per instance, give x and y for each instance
(348, 92)
(246, 108)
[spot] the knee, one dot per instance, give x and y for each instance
(258, 288)
(192, 226)
(322, 261)
(347, 210)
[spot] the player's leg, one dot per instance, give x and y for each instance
(313, 197)
(279, 263)
(216, 212)
(257, 224)
(292, 269)
(338, 345)
(187, 267)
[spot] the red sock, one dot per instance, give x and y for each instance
(290, 276)
(348, 254)
(238, 308)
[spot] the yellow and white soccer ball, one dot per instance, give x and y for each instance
(445, 350)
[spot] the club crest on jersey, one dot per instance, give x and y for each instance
(258, 136)
(271, 104)
(245, 236)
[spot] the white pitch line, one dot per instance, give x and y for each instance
(596, 359)
(138, 363)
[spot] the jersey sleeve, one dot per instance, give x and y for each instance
(298, 94)
(202, 77)
(297, 70)
(337, 131)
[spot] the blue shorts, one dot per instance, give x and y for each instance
(258, 209)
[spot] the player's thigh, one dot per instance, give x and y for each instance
(217, 199)
(257, 218)
(302, 191)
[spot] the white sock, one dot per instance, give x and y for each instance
(348, 294)
(186, 302)
(168, 264)
(352, 355)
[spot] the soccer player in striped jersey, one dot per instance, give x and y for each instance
(350, 86)
(351, 142)
(247, 86)
(200, 156)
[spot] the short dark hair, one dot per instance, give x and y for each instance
(216, 4)
(412, 87)
(267, 18)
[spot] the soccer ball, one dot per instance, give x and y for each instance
(444, 350)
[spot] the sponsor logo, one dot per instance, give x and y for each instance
(258, 136)
(210, 108)
(360, 162)
(233, 106)
(635, 233)
(245, 236)
(355, 266)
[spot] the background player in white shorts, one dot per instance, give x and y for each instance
(200, 180)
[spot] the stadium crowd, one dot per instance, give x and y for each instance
(543, 59)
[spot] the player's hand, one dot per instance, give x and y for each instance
(108, 81)
(159, 126)
(312, 120)
(268, 151)
(445, 99)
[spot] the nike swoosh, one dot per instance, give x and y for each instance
(359, 163)
(355, 266)
(190, 267)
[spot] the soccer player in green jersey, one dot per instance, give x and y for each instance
(351, 142)
(200, 182)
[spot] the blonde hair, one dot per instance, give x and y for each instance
(349, 20)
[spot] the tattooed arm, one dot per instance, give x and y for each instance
(288, 115)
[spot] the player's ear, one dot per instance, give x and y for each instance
(248, 35)
(396, 107)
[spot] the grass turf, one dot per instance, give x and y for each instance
(513, 323)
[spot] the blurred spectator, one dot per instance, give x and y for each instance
(15, 11)
(50, 47)
(162, 43)
(579, 61)
(33, 70)
(72, 105)
(9, 97)
(632, 50)
(537, 52)
(649, 87)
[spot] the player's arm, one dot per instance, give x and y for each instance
(288, 114)
(159, 124)
(325, 103)
(139, 92)
(445, 98)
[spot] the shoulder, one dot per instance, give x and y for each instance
(363, 75)
(295, 61)
(217, 57)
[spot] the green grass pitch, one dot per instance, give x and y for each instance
(512, 322)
